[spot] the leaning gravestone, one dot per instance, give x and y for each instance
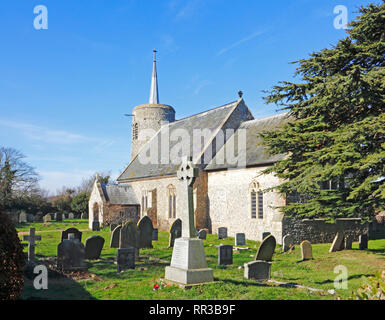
(175, 232)
(115, 237)
(265, 234)
(337, 242)
(363, 242)
(202, 234)
(225, 254)
(306, 250)
(348, 242)
(257, 270)
(266, 249)
(155, 235)
(287, 242)
(47, 218)
(70, 254)
(93, 247)
(113, 226)
(240, 239)
(129, 237)
(145, 229)
(222, 233)
(76, 232)
(125, 259)
(23, 217)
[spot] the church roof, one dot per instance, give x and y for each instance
(256, 154)
(116, 194)
(212, 119)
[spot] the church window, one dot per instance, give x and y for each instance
(144, 205)
(256, 201)
(171, 193)
(135, 131)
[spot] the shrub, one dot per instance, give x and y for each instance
(373, 288)
(12, 260)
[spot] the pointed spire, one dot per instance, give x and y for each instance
(154, 95)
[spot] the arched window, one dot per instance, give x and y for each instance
(171, 194)
(95, 211)
(256, 201)
(135, 131)
(144, 205)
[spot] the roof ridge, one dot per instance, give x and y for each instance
(266, 117)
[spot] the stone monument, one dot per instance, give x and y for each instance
(188, 262)
(31, 238)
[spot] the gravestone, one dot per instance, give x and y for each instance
(113, 226)
(125, 259)
(155, 235)
(287, 243)
(30, 217)
(257, 270)
(59, 216)
(115, 237)
(84, 215)
(348, 242)
(338, 242)
(363, 242)
(306, 250)
(95, 226)
(225, 254)
(202, 234)
(129, 237)
(71, 216)
(188, 262)
(175, 232)
(145, 229)
(265, 234)
(266, 250)
(93, 247)
(222, 233)
(38, 218)
(70, 254)
(76, 232)
(240, 239)
(65, 215)
(31, 238)
(23, 217)
(47, 218)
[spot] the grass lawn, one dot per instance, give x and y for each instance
(102, 281)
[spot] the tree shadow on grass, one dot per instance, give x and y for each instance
(243, 283)
(357, 276)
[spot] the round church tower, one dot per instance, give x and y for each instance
(149, 116)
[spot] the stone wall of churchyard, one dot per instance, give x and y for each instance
(158, 206)
(230, 203)
(318, 231)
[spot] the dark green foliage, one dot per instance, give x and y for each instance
(79, 203)
(12, 260)
(338, 128)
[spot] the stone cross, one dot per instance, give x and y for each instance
(187, 173)
(31, 238)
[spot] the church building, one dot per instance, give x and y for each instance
(230, 190)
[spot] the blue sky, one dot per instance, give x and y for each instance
(64, 91)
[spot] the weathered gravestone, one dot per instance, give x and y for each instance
(115, 237)
(125, 259)
(95, 226)
(225, 254)
(265, 234)
(70, 254)
(30, 217)
(38, 217)
(257, 270)
(129, 237)
(266, 250)
(84, 215)
(287, 242)
(76, 232)
(145, 229)
(363, 242)
(188, 263)
(113, 226)
(175, 232)
(23, 217)
(31, 238)
(240, 239)
(306, 250)
(47, 218)
(222, 233)
(71, 216)
(93, 247)
(59, 216)
(348, 242)
(155, 235)
(202, 234)
(338, 243)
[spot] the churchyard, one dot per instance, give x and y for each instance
(100, 279)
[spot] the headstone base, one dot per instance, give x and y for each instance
(257, 270)
(188, 263)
